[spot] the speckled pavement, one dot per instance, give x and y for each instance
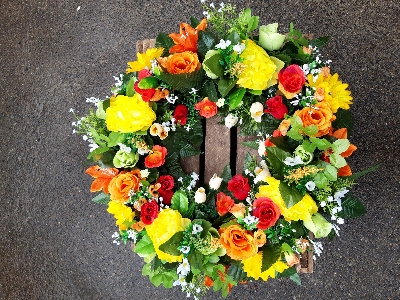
(56, 243)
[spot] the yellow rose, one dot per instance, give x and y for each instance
(302, 210)
(252, 266)
(129, 114)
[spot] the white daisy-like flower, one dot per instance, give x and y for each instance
(310, 186)
(239, 48)
(184, 267)
(197, 229)
(185, 249)
(180, 281)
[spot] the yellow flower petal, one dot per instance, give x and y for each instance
(144, 60)
(252, 266)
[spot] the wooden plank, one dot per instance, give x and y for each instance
(217, 148)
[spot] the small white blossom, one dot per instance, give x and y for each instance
(185, 249)
(239, 48)
(180, 281)
(231, 120)
(132, 235)
(212, 5)
(124, 148)
(180, 179)
(197, 229)
(144, 173)
(195, 176)
(340, 221)
(323, 204)
(206, 14)
(221, 102)
(193, 91)
(289, 161)
(71, 110)
(250, 220)
(223, 44)
(310, 186)
(184, 267)
(171, 98)
(187, 127)
(93, 147)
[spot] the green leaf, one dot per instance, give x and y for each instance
(248, 161)
(205, 42)
(337, 160)
(310, 130)
(309, 147)
(341, 145)
(225, 85)
(236, 271)
(184, 82)
(213, 258)
(320, 180)
(194, 22)
(344, 119)
(196, 260)
(180, 202)
(236, 97)
(144, 246)
(330, 172)
(234, 38)
(290, 194)
(213, 64)
(251, 144)
(276, 157)
(319, 42)
(294, 134)
(164, 41)
(171, 246)
(210, 91)
(226, 174)
(351, 207)
(147, 270)
(357, 175)
(115, 139)
(253, 23)
(148, 82)
(206, 228)
(270, 255)
(287, 273)
(255, 92)
(130, 91)
(102, 198)
(296, 278)
(188, 150)
(157, 279)
(321, 144)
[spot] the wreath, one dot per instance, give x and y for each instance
(252, 225)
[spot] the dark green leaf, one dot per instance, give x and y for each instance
(164, 41)
(196, 260)
(180, 202)
(194, 22)
(357, 175)
(296, 278)
(226, 174)
(225, 85)
(319, 42)
(213, 64)
(344, 119)
(236, 271)
(248, 161)
(270, 255)
(206, 228)
(184, 82)
(285, 143)
(205, 42)
(276, 157)
(251, 144)
(351, 207)
(233, 37)
(236, 97)
(287, 273)
(210, 91)
(290, 194)
(102, 198)
(188, 150)
(171, 246)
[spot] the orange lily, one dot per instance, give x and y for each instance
(186, 39)
(102, 178)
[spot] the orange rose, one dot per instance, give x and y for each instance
(224, 203)
(319, 114)
(121, 185)
(207, 108)
(156, 157)
(260, 238)
(239, 244)
(179, 63)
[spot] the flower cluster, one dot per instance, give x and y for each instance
(237, 227)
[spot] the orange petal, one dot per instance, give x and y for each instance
(345, 171)
(340, 133)
(349, 151)
(97, 171)
(100, 184)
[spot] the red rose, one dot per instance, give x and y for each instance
(206, 108)
(291, 80)
(156, 157)
(144, 73)
(149, 211)
(224, 203)
(239, 186)
(180, 114)
(276, 108)
(266, 211)
(165, 191)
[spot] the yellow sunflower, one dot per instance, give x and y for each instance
(332, 90)
(144, 60)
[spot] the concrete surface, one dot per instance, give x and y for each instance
(56, 243)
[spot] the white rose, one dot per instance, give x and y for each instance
(256, 111)
(261, 149)
(269, 38)
(200, 195)
(231, 120)
(215, 182)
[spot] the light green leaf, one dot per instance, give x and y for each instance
(148, 82)
(320, 180)
(102, 198)
(147, 270)
(310, 130)
(339, 146)
(321, 144)
(144, 246)
(115, 138)
(337, 160)
(309, 147)
(251, 144)
(171, 246)
(212, 63)
(330, 172)
(253, 24)
(294, 134)
(180, 202)
(130, 91)
(157, 279)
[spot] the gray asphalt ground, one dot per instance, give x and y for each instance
(56, 243)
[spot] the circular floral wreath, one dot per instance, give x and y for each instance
(251, 225)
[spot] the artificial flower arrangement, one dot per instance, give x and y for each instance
(238, 227)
